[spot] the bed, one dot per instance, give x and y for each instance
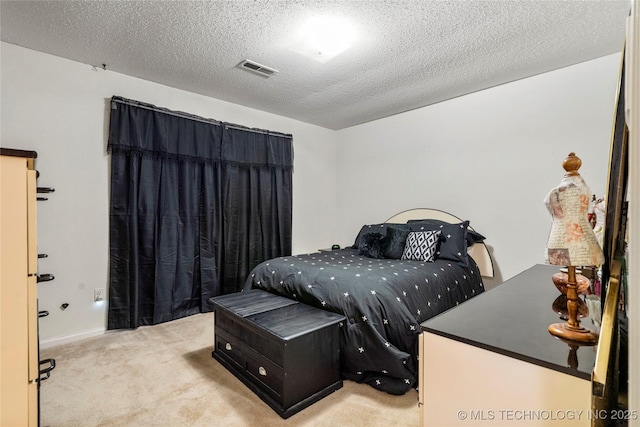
(396, 275)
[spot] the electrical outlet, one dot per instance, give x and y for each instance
(98, 294)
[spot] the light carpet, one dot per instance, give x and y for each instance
(164, 375)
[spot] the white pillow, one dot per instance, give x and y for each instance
(421, 245)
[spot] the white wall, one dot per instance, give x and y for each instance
(59, 108)
(490, 157)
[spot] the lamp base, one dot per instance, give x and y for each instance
(578, 334)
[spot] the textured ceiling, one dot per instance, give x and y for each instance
(407, 54)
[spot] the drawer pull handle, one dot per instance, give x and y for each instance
(44, 277)
(227, 346)
(262, 371)
(46, 371)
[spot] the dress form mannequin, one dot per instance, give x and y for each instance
(572, 243)
(571, 240)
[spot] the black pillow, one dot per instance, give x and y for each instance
(372, 245)
(453, 240)
(472, 235)
(375, 228)
(396, 240)
(370, 228)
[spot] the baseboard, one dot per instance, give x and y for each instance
(54, 342)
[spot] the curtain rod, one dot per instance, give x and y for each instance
(121, 100)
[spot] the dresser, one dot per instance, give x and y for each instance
(19, 366)
(491, 361)
(286, 352)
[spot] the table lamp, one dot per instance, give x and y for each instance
(572, 243)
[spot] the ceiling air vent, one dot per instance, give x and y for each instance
(263, 70)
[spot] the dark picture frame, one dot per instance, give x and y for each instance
(615, 214)
(609, 374)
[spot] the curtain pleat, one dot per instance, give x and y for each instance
(195, 205)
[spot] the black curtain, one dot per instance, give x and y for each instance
(195, 205)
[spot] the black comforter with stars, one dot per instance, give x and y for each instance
(384, 300)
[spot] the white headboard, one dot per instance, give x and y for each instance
(478, 251)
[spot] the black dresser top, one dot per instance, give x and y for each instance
(513, 319)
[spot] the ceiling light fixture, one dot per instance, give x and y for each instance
(324, 37)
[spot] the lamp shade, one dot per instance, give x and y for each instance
(572, 241)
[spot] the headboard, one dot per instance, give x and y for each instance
(479, 251)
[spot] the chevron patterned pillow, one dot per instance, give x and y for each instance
(421, 245)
